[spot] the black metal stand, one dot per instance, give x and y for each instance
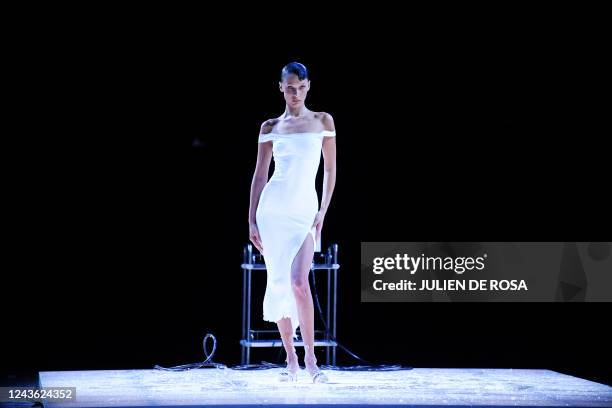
(257, 338)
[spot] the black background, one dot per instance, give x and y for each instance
(129, 169)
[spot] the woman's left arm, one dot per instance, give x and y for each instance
(329, 171)
(329, 174)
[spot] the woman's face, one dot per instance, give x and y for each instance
(294, 91)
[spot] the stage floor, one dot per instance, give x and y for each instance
(417, 387)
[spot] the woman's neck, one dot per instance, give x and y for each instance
(295, 112)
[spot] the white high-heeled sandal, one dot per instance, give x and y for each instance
(317, 375)
(286, 375)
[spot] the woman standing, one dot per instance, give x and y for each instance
(285, 219)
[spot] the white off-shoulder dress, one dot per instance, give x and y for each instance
(285, 213)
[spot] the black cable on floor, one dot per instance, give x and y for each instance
(206, 363)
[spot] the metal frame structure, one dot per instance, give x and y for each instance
(251, 338)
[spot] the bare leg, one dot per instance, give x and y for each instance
(286, 332)
(301, 288)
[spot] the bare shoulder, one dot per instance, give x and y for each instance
(326, 119)
(267, 126)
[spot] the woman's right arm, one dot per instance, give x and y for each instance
(260, 178)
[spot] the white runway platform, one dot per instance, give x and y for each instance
(417, 387)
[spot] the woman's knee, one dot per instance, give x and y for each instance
(300, 286)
